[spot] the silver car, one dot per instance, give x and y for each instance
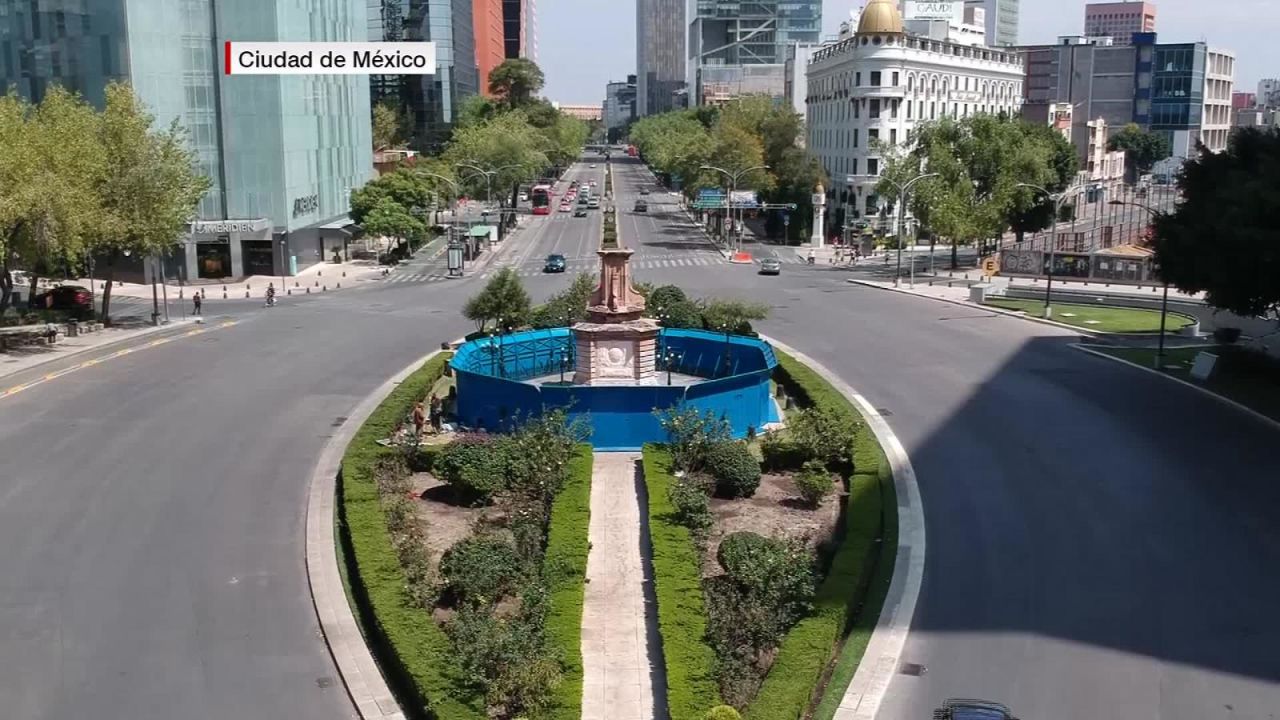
(770, 266)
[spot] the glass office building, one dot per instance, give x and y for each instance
(282, 152)
(430, 101)
(738, 48)
(660, 54)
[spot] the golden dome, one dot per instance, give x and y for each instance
(880, 16)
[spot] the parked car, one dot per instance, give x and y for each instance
(641, 206)
(75, 300)
(554, 264)
(966, 709)
(770, 266)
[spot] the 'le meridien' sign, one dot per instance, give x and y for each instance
(224, 227)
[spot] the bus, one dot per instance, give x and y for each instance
(540, 199)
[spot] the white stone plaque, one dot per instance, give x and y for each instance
(615, 359)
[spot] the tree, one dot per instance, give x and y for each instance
(506, 141)
(149, 189)
(1031, 211)
(48, 171)
(516, 82)
(503, 301)
(1221, 237)
(388, 218)
(388, 126)
(476, 110)
(735, 316)
(566, 307)
(1143, 148)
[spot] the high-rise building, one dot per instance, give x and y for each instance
(520, 29)
(736, 48)
(487, 19)
(1269, 93)
(1119, 20)
(282, 152)
(619, 106)
(430, 102)
(660, 60)
(1001, 18)
(1191, 86)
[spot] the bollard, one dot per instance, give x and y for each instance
(224, 288)
(324, 288)
(288, 291)
(344, 273)
(317, 283)
(246, 286)
(246, 294)
(224, 294)
(319, 273)
(339, 287)
(295, 284)
(308, 291)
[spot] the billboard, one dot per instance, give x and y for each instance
(920, 10)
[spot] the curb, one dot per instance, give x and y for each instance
(1275, 424)
(148, 332)
(984, 308)
(360, 673)
(880, 660)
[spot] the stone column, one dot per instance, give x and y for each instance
(818, 238)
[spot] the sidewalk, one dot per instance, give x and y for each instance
(622, 672)
(320, 275)
(16, 360)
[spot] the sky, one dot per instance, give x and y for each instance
(584, 44)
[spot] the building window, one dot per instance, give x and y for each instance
(857, 113)
(855, 137)
(893, 109)
(857, 79)
(873, 166)
(872, 135)
(875, 78)
(875, 108)
(895, 79)
(853, 166)
(908, 109)
(893, 136)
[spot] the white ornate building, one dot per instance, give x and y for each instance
(879, 84)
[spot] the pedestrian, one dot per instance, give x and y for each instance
(419, 420)
(197, 301)
(436, 413)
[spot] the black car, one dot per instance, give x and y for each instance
(581, 211)
(968, 709)
(554, 264)
(75, 300)
(644, 191)
(642, 206)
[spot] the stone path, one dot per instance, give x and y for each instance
(621, 649)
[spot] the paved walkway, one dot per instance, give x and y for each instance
(621, 649)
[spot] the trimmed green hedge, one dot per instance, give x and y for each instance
(805, 652)
(682, 617)
(411, 649)
(565, 567)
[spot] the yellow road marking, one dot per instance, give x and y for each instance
(97, 361)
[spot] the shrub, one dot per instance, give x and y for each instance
(736, 472)
(691, 435)
(414, 651)
(475, 465)
(781, 453)
(722, 712)
(481, 569)
(564, 571)
(823, 433)
(690, 502)
(780, 572)
(504, 657)
(814, 483)
(664, 296)
(682, 620)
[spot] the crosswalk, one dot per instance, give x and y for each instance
(533, 268)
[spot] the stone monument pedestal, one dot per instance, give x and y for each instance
(615, 345)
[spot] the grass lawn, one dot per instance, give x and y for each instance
(1253, 387)
(1099, 318)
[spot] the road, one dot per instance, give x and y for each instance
(1101, 543)
(152, 506)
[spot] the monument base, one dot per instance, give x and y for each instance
(622, 353)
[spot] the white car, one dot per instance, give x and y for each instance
(524, 197)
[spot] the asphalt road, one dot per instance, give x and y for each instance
(152, 506)
(1101, 542)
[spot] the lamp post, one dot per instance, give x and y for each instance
(733, 187)
(1056, 199)
(1164, 298)
(488, 176)
(902, 219)
(670, 359)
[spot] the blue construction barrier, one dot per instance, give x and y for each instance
(494, 391)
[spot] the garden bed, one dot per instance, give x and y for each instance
(471, 601)
(796, 565)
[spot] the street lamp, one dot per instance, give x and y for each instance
(902, 225)
(670, 358)
(488, 176)
(1164, 298)
(1057, 199)
(733, 187)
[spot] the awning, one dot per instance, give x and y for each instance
(341, 226)
(482, 230)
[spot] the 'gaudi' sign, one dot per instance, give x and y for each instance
(917, 10)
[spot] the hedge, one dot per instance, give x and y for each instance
(804, 654)
(411, 649)
(565, 568)
(682, 617)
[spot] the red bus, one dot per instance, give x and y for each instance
(540, 199)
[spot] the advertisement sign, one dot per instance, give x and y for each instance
(744, 199)
(918, 10)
